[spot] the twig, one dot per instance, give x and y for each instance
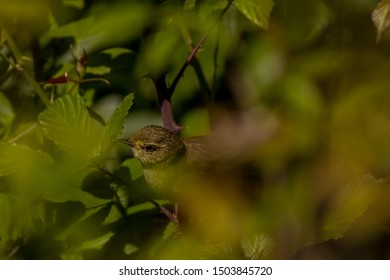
(185, 65)
(120, 181)
(23, 133)
(19, 63)
(164, 93)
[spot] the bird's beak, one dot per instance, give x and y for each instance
(127, 141)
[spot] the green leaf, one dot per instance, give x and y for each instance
(99, 70)
(134, 166)
(381, 17)
(20, 193)
(349, 205)
(113, 128)
(78, 29)
(102, 29)
(210, 6)
(169, 231)
(98, 243)
(19, 217)
(67, 123)
(6, 111)
(257, 247)
(79, 4)
(115, 52)
(19, 158)
(256, 11)
(130, 249)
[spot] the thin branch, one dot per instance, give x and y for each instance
(185, 65)
(23, 133)
(19, 63)
(122, 209)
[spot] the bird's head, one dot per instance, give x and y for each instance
(154, 145)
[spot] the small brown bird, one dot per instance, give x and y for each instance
(165, 157)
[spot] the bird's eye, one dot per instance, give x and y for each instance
(150, 148)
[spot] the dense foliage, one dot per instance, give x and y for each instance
(303, 85)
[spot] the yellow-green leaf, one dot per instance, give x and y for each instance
(257, 11)
(67, 123)
(15, 158)
(349, 205)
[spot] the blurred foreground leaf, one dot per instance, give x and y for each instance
(257, 247)
(16, 158)
(348, 206)
(6, 110)
(381, 17)
(108, 26)
(79, 4)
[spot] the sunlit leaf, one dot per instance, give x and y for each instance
(67, 123)
(115, 52)
(97, 243)
(99, 70)
(140, 207)
(381, 17)
(130, 249)
(113, 127)
(134, 167)
(169, 231)
(256, 11)
(210, 6)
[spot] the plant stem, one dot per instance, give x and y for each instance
(19, 66)
(122, 209)
(123, 182)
